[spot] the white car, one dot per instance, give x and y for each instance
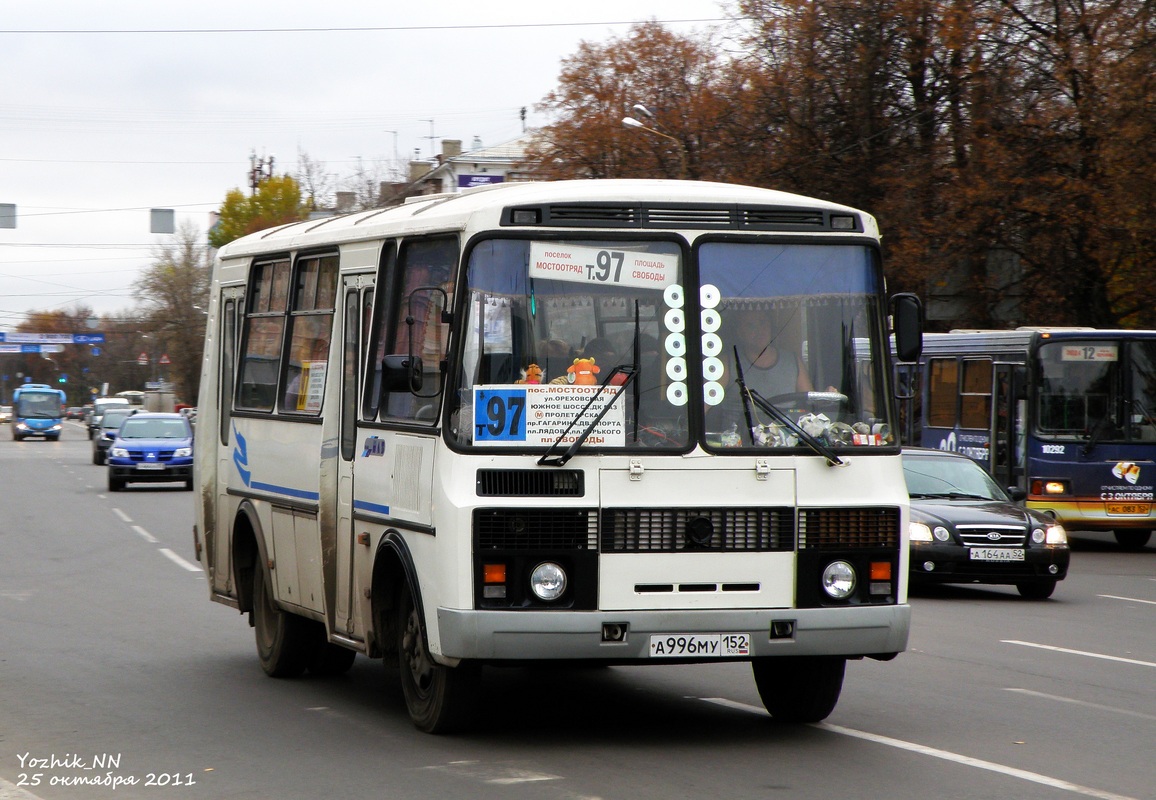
(5, 413)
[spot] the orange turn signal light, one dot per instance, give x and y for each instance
(880, 570)
(494, 573)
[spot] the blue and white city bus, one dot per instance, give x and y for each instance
(526, 423)
(1066, 416)
(37, 410)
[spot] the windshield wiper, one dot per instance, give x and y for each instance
(547, 460)
(782, 418)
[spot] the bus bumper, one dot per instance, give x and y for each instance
(578, 635)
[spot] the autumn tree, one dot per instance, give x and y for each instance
(276, 201)
(678, 79)
(175, 295)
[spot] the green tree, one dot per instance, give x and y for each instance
(277, 201)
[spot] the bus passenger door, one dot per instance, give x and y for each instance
(357, 295)
(1007, 426)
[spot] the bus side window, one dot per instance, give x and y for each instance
(263, 333)
(942, 392)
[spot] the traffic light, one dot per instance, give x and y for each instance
(63, 378)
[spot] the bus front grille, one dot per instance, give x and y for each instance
(673, 530)
(840, 528)
(536, 528)
(530, 483)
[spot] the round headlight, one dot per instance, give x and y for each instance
(1038, 535)
(548, 581)
(839, 580)
(941, 533)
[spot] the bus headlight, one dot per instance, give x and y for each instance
(839, 580)
(548, 581)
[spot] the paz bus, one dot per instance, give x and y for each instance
(1063, 416)
(515, 425)
(37, 410)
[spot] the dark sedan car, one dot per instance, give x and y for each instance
(106, 432)
(966, 529)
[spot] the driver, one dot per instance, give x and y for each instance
(767, 369)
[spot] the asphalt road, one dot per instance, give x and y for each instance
(115, 667)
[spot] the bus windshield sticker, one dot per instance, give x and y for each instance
(532, 415)
(1090, 352)
(602, 265)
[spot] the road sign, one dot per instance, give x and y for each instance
(143, 359)
(164, 359)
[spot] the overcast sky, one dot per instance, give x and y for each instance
(111, 108)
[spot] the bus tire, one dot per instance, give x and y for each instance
(283, 642)
(1037, 590)
(439, 699)
(1132, 540)
(799, 689)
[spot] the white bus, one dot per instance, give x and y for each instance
(532, 423)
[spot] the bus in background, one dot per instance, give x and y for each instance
(1066, 416)
(37, 410)
(615, 422)
(134, 398)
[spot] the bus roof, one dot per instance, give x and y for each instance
(963, 341)
(482, 207)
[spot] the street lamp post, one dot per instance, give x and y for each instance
(631, 122)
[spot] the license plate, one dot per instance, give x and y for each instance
(1129, 508)
(996, 554)
(150, 466)
(700, 645)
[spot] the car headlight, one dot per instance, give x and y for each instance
(119, 452)
(839, 580)
(941, 534)
(183, 452)
(1056, 534)
(548, 581)
(919, 532)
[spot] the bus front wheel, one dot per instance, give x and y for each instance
(1132, 540)
(439, 699)
(799, 688)
(283, 641)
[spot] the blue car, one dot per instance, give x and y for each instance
(151, 448)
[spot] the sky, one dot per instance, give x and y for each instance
(110, 109)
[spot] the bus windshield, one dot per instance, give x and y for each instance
(559, 332)
(38, 405)
(1103, 390)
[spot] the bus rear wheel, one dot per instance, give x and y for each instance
(799, 688)
(1132, 540)
(439, 699)
(283, 640)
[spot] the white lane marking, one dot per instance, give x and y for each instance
(1127, 599)
(1086, 653)
(1084, 703)
(498, 773)
(180, 562)
(946, 755)
(123, 516)
(142, 533)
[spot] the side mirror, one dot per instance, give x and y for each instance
(908, 326)
(401, 374)
(1016, 493)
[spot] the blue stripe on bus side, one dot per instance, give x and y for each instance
(364, 505)
(300, 494)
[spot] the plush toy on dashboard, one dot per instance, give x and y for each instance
(583, 371)
(531, 374)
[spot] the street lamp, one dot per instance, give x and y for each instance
(631, 122)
